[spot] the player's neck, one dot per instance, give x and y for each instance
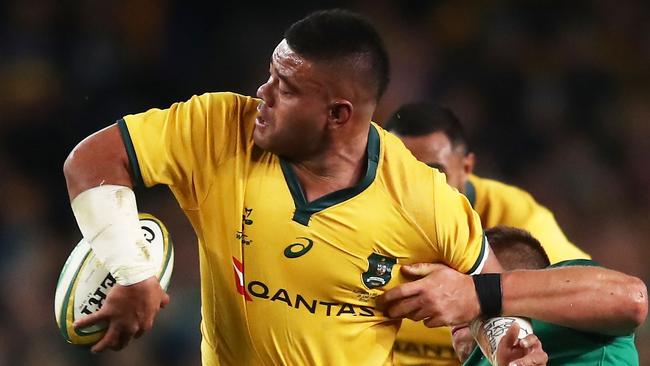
(342, 166)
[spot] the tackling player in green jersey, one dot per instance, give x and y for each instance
(518, 250)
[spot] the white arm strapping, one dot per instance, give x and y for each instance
(488, 333)
(108, 219)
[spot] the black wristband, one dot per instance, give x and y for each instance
(488, 289)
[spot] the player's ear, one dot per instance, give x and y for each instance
(468, 163)
(340, 112)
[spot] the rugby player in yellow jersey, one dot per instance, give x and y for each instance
(305, 212)
(436, 137)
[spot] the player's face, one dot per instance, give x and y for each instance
(436, 150)
(293, 115)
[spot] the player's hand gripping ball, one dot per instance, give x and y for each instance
(84, 282)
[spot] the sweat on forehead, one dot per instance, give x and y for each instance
(358, 62)
(345, 76)
(283, 51)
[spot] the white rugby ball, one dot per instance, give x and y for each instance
(84, 282)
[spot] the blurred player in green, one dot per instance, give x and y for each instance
(518, 250)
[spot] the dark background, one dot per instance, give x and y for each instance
(555, 95)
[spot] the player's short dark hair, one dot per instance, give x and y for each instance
(516, 248)
(330, 35)
(423, 118)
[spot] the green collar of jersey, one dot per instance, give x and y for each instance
(130, 152)
(305, 209)
(470, 193)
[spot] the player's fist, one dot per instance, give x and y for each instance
(438, 295)
(129, 310)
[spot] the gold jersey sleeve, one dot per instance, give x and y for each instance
(182, 145)
(502, 204)
(497, 204)
(459, 231)
(458, 228)
(454, 227)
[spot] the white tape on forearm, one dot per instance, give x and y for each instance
(488, 333)
(108, 219)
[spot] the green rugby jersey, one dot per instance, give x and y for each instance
(570, 347)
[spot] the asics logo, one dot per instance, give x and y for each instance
(298, 249)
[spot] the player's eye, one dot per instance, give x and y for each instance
(282, 88)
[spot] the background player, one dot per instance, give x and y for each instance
(436, 137)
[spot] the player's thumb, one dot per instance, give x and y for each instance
(418, 269)
(511, 338)
(94, 318)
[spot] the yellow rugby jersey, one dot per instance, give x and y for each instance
(502, 204)
(497, 204)
(289, 282)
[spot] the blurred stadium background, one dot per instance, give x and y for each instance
(555, 95)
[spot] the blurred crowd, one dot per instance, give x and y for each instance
(555, 96)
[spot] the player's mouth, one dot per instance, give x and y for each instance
(261, 120)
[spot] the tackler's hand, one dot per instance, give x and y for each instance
(526, 351)
(439, 295)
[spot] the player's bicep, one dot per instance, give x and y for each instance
(492, 264)
(99, 159)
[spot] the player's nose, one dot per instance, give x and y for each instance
(263, 92)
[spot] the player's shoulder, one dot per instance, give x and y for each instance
(228, 109)
(497, 190)
(397, 161)
(404, 178)
(227, 99)
(394, 151)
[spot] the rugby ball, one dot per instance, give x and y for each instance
(84, 282)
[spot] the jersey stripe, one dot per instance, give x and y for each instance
(482, 258)
(130, 152)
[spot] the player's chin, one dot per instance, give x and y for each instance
(260, 137)
(263, 139)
